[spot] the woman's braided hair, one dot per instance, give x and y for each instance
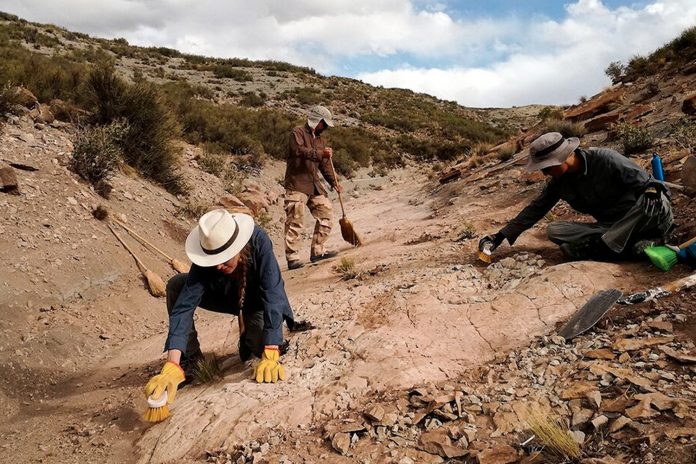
(241, 274)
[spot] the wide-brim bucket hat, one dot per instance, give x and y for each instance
(550, 149)
(218, 237)
(316, 114)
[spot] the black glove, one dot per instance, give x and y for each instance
(494, 239)
(653, 201)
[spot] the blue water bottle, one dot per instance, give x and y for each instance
(658, 173)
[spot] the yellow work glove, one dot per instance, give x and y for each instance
(168, 379)
(269, 369)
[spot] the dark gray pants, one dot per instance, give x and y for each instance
(634, 226)
(250, 342)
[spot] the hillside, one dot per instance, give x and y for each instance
(420, 352)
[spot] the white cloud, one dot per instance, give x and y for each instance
(476, 61)
(558, 61)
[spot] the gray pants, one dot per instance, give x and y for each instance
(250, 342)
(634, 226)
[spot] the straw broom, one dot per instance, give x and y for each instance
(154, 282)
(178, 266)
(347, 230)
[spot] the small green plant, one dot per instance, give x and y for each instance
(264, 219)
(233, 179)
(96, 154)
(566, 128)
(212, 163)
(207, 369)
(252, 99)
(346, 268)
(652, 88)
(194, 208)
(634, 139)
(467, 232)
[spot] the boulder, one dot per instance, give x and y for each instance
(234, 205)
(689, 104)
(25, 98)
(8, 180)
(254, 199)
(688, 173)
(42, 114)
(597, 105)
(438, 442)
(602, 122)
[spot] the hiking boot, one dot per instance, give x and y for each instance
(325, 255)
(295, 264)
(588, 248)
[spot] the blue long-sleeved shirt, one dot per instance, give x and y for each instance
(265, 292)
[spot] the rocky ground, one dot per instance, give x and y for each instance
(420, 353)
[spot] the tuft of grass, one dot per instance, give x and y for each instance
(346, 268)
(566, 128)
(506, 152)
(193, 208)
(684, 133)
(553, 434)
(207, 369)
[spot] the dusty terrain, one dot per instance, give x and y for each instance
(80, 334)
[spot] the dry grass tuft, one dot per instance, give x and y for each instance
(207, 369)
(346, 269)
(552, 432)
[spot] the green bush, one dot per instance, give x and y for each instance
(230, 72)
(304, 95)
(96, 154)
(148, 144)
(8, 101)
(634, 139)
(615, 71)
(566, 128)
(252, 99)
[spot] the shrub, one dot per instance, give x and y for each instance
(212, 163)
(634, 139)
(233, 179)
(652, 88)
(230, 72)
(549, 112)
(684, 133)
(252, 99)
(615, 71)
(96, 154)
(8, 101)
(346, 268)
(566, 128)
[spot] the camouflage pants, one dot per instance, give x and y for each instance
(320, 207)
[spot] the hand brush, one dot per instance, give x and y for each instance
(485, 254)
(664, 257)
(157, 409)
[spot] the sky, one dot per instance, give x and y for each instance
(487, 53)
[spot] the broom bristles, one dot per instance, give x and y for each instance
(180, 267)
(155, 284)
(662, 257)
(348, 232)
(157, 414)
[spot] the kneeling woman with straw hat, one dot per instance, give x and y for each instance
(234, 271)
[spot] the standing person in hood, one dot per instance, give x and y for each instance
(308, 156)
(631, 209)
(234, 271)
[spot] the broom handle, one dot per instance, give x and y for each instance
(340, 199)
(141, 266)
(687, 243)
(684, 282)
(143, 241)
